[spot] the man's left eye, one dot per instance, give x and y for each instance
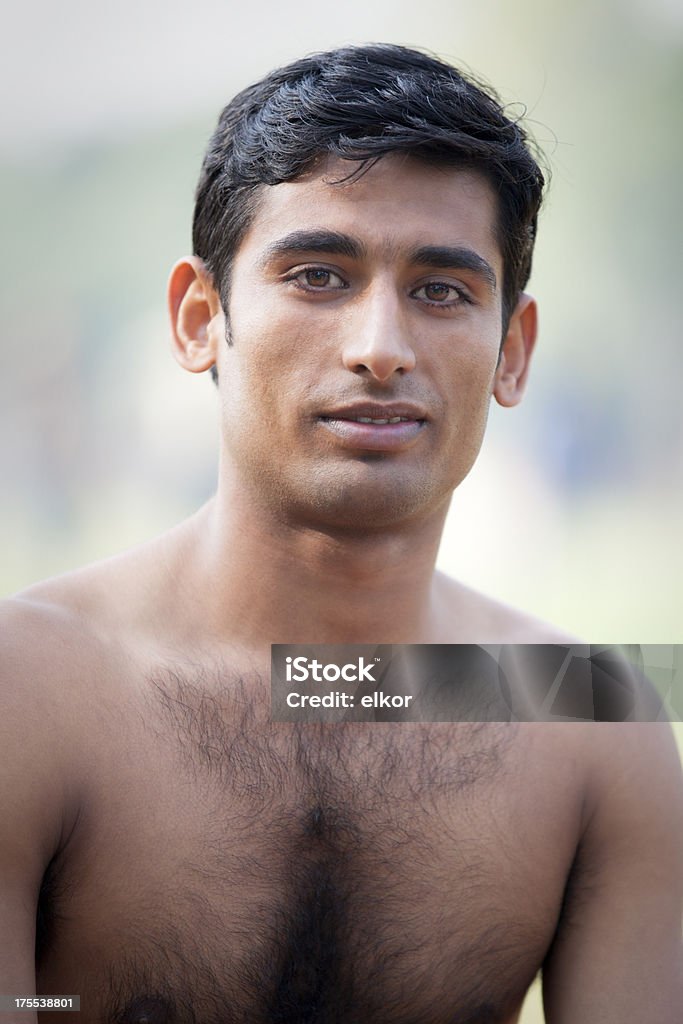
(439, 293)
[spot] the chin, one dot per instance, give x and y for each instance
(364, 505)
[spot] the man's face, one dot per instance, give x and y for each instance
(370, 301)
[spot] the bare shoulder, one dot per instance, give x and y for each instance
(637, 761)
(90, 599)
(468, 616)
(37, 631)
(116, 597)
(633, 788)
(617, 951)
(61, 644)
(41, 767)
(49, 665)
(46, 629)
(635, 800)
(49, 657)
(62, 673)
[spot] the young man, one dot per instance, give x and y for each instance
(363, 235)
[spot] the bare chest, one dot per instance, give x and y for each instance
(227, 869)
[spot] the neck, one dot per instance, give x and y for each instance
(263, 580)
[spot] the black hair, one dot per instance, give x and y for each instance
(360, 103)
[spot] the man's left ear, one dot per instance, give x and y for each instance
(513, 367)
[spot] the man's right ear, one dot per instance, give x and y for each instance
(197, 320)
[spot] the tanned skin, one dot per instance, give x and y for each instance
(188, 860)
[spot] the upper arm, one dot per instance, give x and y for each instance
(33, 787)
(617, 956)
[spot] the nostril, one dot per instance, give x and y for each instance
(381, 366)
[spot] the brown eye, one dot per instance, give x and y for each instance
(437, 292)
(317, 278)
(441, 293)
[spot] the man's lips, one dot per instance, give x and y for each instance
(375, 426)
(385, 411)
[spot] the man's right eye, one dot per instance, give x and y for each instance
(317, 279)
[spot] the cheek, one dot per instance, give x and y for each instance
(267, 371)
(468, 372)
(466, 388)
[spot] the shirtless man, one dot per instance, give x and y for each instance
(187, 860)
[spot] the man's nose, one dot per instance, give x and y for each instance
(379, 342)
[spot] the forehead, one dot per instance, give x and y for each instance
(398, 204)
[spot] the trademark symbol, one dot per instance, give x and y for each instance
(378, 659)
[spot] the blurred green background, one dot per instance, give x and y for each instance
(574, 510)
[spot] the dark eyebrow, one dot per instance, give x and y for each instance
(332, 242)
(336, 243)
(447, 257)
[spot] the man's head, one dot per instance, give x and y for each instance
(363, 232)
(360, 104)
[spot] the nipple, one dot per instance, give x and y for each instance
(148, 1010)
